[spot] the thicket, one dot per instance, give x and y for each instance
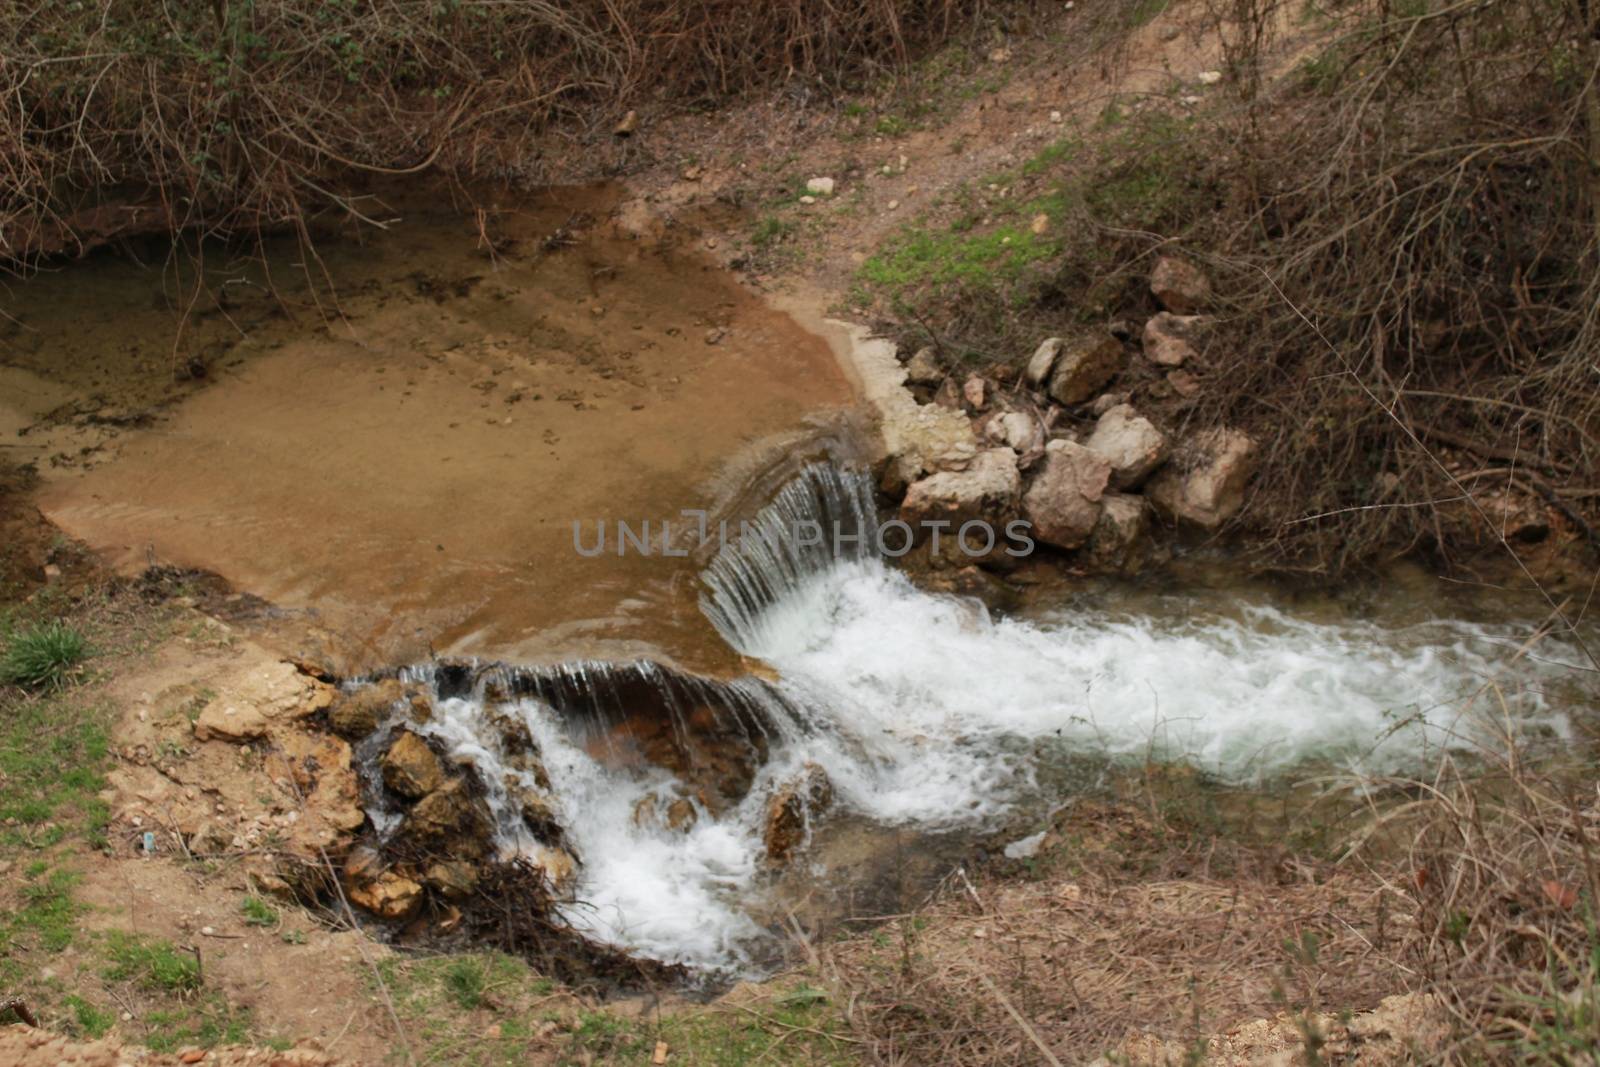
(1403, 230)
(236, 115)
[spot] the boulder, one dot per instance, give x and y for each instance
(791, 811)
(1130, 443)
(1170, 339)
(1083, 369)
(356, 714)
(1205, 482)
(923, 369)
(1179, 285)
(987, 489)
(410, 768)
(1013, 429)
(1119, 535)
(447, 812)
(1063, 502)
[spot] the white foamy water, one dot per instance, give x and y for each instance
(926, 712)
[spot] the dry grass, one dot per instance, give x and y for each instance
(237, 115)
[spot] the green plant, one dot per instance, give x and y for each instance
(42, 657)
(258, 912)
(151, 963)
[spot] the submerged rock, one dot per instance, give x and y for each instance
(1063, 502)
(410, 767)
(791, 811)
(1205, 482)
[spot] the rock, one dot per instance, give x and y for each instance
(1083, 369)
(987, 489)
(445, 812)
(210, 840)
(1105, 402)
(682, 815)
(1043, 361)
(820, 186)
(923, 369)
(1118, 538)
(1208, 77)
(388, 895)
(1130, 443)
(791, 810)
(1015, 430)
(318, 770)
(948, 396)
(973, 392)
(1183, 383)
(1179, 286)
(1063, 502)
(452, 878)
(226, 720)
(1205, 482)
(626, 126)
(355, 715)
(538, 813)
(410, 768)
(645, 813)
(1170, 339)
(560, 869)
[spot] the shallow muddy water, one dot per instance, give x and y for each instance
(409, 467)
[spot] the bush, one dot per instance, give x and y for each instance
(42, 656)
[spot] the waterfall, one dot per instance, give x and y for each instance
(926, 713)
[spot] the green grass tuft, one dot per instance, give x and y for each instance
(42, 657)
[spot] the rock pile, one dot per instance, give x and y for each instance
(1084, 446)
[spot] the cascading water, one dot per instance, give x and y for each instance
(924, 712)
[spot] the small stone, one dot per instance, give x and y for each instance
(1055, 116)
(972, 391)
(820, 186)
(1083, 369)
(1130, 443)
(208, 931)
(1170, 340)
(808, 200)
(715, 335)
(1179, 285)
(1040, 224)
(692, 173)
(626, 126)
(923, 369)
(1208, 77)
(894, 205)
(1183, 383)
(1063, 502)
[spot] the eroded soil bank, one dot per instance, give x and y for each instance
(403, 453)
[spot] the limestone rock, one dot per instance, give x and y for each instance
(791, 811)
(447, 812)
(1179, 285)
(1063, 502)
(560, 869)
(974, 392)
(1083, 369)
(388, 895)
(317, 768)
(923, 369)
(820, 186)
(1130, 443)
(410, 768)
(355, 715)
(1170, 339)
(1106, 401)
(1015, 430)
(1043, 361)
(1119, 536)
(1205, 482)
(987, 489)
(228, 720)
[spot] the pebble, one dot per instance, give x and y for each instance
(1209, 77)
(894, 205)
(207, 930)
(808, 200)
(820, 186)
(1055, 116)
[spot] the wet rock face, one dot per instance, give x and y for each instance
(791, 811)
(410, 767)
(355, 715)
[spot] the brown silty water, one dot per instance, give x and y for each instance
(405, 455)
